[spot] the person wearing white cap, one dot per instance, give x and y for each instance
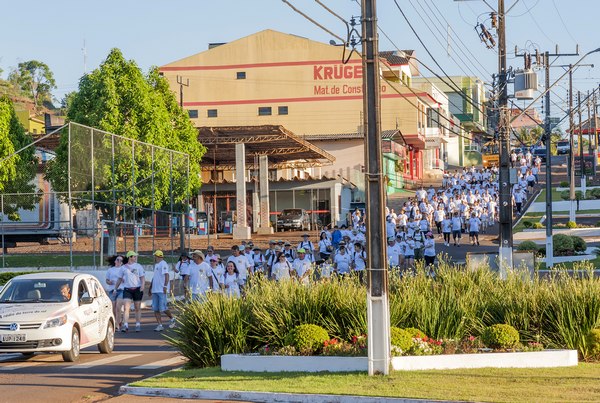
(342, 261)
(302, 267)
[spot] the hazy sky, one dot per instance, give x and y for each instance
(158, 32)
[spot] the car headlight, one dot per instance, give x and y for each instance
(55, 322)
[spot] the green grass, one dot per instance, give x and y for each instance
(569, 265)
(533, 217)
(61, 260)
(555, 196)
(570, 384)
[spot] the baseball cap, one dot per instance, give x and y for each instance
(159, 253)
(130, 254)
(301, 250)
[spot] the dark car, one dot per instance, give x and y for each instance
(293, 218)
(540, 152)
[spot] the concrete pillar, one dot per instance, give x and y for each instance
(241, 230)
(265, 207)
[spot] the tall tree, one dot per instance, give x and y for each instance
(16, 172)
(118, 98)
(35, 79)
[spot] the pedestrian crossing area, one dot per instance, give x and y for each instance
(134, 361)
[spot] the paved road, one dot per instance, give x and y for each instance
(96, 377)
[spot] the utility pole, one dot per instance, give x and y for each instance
(581, 159)
(572, 204)
(506, 210)
(184, 222)
(378, 316)
(548, 134)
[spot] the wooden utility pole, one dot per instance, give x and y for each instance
(378, 316)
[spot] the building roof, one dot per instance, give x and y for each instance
(396, 57)
(284, 149)
(385, 135)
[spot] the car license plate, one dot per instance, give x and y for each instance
(13, 338)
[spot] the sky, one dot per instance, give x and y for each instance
(155, 32)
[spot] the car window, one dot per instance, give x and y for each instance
(36, 290)
(82, 290)
(96, 288)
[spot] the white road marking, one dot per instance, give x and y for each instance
(162, 363)
(104, 361)
(31, 363)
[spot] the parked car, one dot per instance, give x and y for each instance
(563, 147)
(293, 218)
(55, 312)
(540, 152)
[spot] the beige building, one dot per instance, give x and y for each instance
(272, 78)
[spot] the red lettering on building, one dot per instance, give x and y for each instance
(338, 72)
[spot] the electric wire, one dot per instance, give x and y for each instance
(455, 87)
(312, 20)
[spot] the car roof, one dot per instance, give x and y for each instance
(49, 275)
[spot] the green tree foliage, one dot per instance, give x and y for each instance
(17, 172)
(118, 98)
(35, 79)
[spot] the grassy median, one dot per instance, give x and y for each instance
(570, 384)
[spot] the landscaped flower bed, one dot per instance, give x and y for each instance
(559, 313)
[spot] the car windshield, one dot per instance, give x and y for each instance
(295, 211)
(36, 290)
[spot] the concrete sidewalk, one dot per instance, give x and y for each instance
(540, 207)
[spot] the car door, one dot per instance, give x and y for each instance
(87, 313)
(104, 305)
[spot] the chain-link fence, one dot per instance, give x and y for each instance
(111, 194)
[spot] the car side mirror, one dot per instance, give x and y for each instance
(86, 300)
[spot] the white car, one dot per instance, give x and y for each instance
(55, 312)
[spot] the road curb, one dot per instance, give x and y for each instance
(262, 396)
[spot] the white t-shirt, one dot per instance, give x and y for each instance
(429, 247)
(130, 274)
(217, 275)
(199, 273)
(281, 270)
(183, 267)
(474, 224)
(232, 284)
(342, 262)
(112, 274)
(360, 260)
(242, 264)
(158, 279)
(301, 267)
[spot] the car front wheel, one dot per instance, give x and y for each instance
(106, 346)
(73, 354)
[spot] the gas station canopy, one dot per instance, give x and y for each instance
(284, 149)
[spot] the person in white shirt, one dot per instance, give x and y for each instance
(474, 224)
(456, 229)
(232, 280)
(308, 246)
(282, 268)
(409, 252)
(325, 247)
(518, 198)
(429, 250)
(393, 254)
(438, 218)
(302, 267)
(159, 290)
(390, 226)
(133, 277)
(217, 270)
(359, 261)
(342, 261)
(241, 263)
(183, 268)
(201, 280)
(258, 261)
(112, 277)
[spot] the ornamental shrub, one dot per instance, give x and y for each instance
(416, 333)
(527, 224)
(571, 224)
(401, 338)
(579, 245)
(564, 184)
(307, 338)
(528, 246)
(565, 195)
(593, 343)
(562, 245)
(538, 225)
(500, 336)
